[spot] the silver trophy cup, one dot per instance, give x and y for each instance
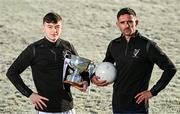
(79, 65)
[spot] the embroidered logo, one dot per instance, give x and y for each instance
(135, 53)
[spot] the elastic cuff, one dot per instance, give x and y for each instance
(153, 92)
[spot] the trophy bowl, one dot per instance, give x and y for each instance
(78, 65)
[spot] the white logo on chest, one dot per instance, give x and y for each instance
(135, 53)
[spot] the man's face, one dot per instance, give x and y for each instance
(52, 31)
(127, 24)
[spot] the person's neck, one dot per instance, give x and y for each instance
(53, 41)
(127, 38)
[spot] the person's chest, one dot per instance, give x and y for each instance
(49, 58)
(129, 54)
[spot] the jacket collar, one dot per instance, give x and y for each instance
(47, 43)
(134, 36)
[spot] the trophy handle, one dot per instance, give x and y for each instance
(67, 54)
(91, 68)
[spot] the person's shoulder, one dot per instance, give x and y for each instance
(67, 46)
(149, 43)
(146, 39)
(62, 41)
(37, 43)
(32, 45)
(114, 41)
(118, 39)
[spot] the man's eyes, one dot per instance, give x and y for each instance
(54, 27)
(57, 27)
(130, 21)
(50, 27)
(123, 22)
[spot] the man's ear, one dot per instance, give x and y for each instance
(137, 22)
(117, 25)
(43, 28)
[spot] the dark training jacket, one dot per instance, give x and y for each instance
(46, 60)
(134, 62)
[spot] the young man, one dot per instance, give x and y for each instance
(46, 59)
(134, 56)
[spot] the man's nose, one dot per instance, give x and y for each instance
(127, 24)
(54, 29)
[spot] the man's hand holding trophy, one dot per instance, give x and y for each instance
(77, 66)
(103, 74)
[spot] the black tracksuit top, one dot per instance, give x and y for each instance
(46, 60)
(134, 62)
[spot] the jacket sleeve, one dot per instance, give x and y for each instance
(85, 77)
(108, 56)
(157, 56)
(73, 50)
(18, 66)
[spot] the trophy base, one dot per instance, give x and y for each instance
(74, 84)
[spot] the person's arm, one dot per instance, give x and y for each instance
(158, 57)
(108, 58)
(19, 65)
(161, 59)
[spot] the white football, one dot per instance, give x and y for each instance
(106, 71)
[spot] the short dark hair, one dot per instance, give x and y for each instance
(126, 11)
(51, 17)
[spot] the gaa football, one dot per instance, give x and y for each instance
(106, 71)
